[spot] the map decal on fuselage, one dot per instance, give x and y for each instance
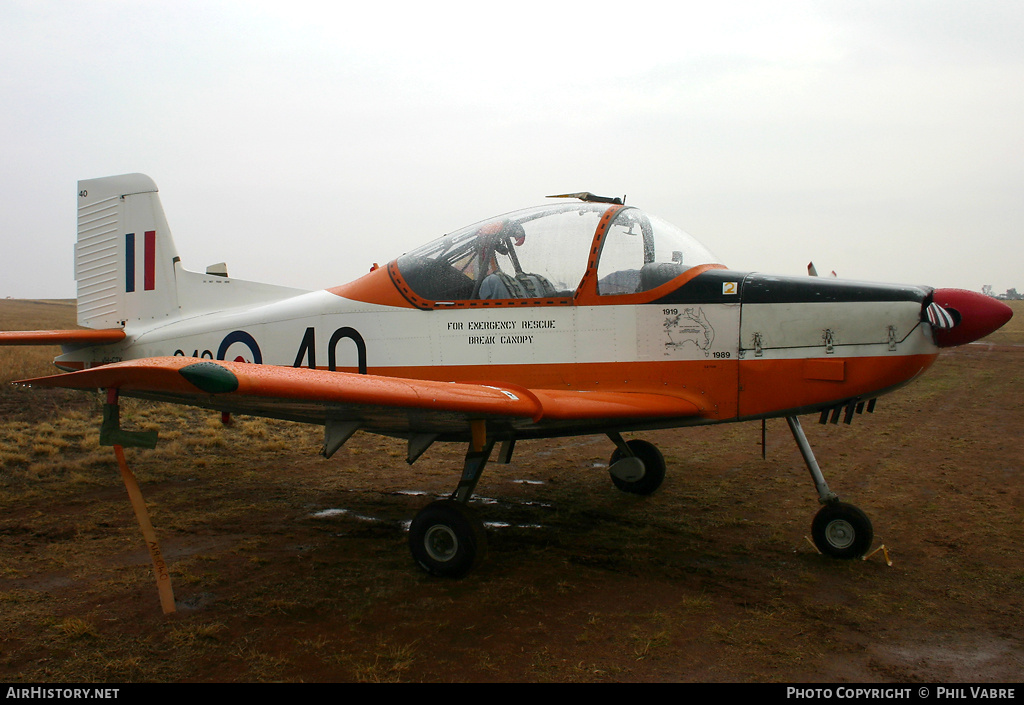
(689, 327)
(694, 331)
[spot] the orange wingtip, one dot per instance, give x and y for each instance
(62, 337)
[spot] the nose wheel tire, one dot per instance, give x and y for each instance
(842, 530)
(447, 539)
(654, 468)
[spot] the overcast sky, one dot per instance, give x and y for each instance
(301, 142)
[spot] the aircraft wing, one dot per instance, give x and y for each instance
(390, 405)
(83, 336)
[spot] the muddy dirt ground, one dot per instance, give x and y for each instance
(288, 567)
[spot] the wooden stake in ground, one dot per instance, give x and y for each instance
(163, 577)
(111, 434)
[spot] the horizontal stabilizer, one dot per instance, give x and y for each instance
(103, 336)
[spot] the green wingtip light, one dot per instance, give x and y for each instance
(210, 377)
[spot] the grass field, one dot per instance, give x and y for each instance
(289, 567)
(32, 361)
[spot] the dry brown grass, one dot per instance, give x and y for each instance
(22, 362)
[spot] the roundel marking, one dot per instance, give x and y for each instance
(240, 336)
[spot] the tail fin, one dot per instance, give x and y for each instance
(124, 257)
(128, 269)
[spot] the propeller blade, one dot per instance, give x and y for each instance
(939, 317)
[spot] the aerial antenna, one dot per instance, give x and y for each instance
(588, 197)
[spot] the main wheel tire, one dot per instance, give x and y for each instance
(842, 530)
(654, 468)
(447, 539)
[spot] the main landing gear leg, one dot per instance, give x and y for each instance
(839, 530)
(447, 537)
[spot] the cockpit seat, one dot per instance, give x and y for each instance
(626, 281)
(500, 285)
(437, 280)
(654, 274)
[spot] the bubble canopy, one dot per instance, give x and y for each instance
(543, 254)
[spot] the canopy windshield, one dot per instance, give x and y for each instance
(641, 251)
(543, 253)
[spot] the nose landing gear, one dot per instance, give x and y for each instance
(842, 530)
(839, 530)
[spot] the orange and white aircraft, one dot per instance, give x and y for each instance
(584, 316)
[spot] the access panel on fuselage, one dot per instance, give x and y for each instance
(807, 343)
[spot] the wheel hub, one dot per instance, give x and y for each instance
(840, 533)
(441, 543)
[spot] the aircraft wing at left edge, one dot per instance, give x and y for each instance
(390, 404)
(83, 336)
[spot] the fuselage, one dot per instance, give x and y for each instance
(739, 345)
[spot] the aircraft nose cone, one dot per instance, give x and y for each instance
(975, 315)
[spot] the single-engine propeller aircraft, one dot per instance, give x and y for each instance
(583, 316)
